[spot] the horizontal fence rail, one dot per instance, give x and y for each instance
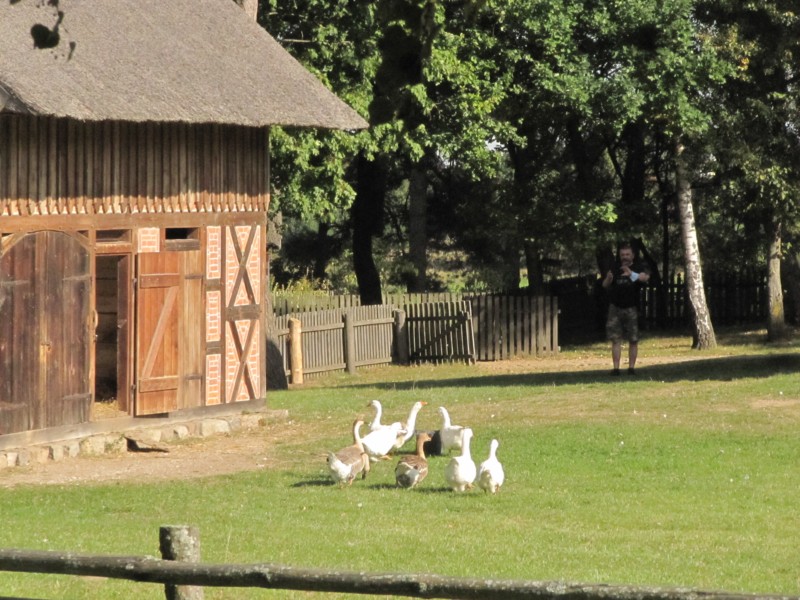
(145, 569)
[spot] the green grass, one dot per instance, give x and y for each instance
(687, 475)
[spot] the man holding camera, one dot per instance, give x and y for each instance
(622, 284)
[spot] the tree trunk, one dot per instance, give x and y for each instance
(776, 322)
(704, 337)
(418, 227)
(322, 252)
(367, 220)
(533, 261)
(665, 265)
(511, 276)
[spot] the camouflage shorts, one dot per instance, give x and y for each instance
(622, 324)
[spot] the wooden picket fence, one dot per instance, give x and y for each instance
(340, 339)
(508, 326)
(732, 299)
(439, 332)
(416, 328)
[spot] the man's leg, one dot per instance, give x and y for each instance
(632, 329)
(633, 352)
(616, 353)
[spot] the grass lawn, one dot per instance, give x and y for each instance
(686, 475)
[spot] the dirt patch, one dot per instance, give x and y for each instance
(243, 450)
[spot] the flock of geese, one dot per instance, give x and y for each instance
(460, 473)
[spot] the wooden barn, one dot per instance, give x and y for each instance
(134, 187)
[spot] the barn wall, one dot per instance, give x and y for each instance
(127, 188)
(64, 167)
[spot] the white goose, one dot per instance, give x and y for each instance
(348, 462)
(378, 443)
(460, 471)
(490, 473)
(376, 420)
(450, 434)
(411, 470)
(409, 425)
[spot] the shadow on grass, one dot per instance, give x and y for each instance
(383, 486)
(434, 490)
(316, 482)
(727, 368)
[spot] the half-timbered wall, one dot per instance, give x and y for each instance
(183, 210)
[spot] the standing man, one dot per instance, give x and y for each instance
(623, 283)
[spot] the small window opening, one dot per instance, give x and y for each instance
(113, 235)
(181, 233)
(182, 238)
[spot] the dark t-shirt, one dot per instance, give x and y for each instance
(624, 293)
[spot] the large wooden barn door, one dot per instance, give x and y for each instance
(157, 347)
(45, 332)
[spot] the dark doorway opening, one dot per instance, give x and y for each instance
(111, 335)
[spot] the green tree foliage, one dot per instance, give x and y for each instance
(545, 128)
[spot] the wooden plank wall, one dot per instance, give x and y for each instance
(66, 167)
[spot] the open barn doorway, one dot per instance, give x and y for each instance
(112, 379)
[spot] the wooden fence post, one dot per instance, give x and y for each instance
(349, 343)
(401, 336)
(295, 350)
(180, 542)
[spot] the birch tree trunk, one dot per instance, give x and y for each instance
(704, 337)
(776, 322)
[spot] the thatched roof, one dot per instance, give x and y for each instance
(194, 61)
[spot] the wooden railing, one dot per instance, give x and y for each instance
(184, 577)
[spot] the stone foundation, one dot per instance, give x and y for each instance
(118, 442)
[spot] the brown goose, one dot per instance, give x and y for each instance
(413, 468)
(348, 462)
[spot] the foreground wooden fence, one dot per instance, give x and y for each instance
(184, 577)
